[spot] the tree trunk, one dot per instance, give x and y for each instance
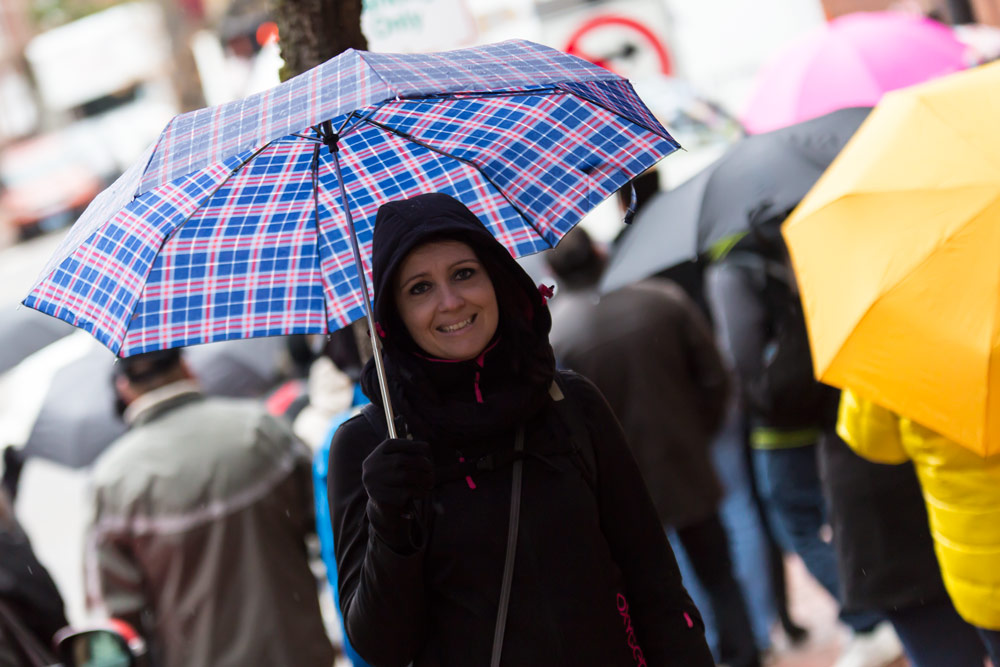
(313, 31)
(961, 12)
(187, 83)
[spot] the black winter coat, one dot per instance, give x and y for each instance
(595, 581)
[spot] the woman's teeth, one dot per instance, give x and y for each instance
(455, 327)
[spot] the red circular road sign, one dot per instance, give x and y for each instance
(573, 46)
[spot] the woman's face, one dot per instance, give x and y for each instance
(446, 300)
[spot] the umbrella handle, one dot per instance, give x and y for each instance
(383, 385)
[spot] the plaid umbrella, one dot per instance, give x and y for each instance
(238, 221)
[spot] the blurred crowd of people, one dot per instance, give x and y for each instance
(206, 509)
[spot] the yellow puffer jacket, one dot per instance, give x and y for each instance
(962, 491)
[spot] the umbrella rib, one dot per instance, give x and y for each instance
(174, 231)
(348, 120)
(969, 141)
(467, 161)
(371, 112)
(319, 259)
(545, 90)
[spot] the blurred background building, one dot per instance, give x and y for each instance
(85, 85)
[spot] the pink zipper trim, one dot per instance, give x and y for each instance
(468, 478)
(479, 359)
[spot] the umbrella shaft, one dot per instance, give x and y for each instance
(369, 314)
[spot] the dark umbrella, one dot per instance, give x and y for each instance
(24, 331)
(763, 177)
(77, 421)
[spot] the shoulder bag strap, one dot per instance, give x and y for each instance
(572, 417)
(508, 567)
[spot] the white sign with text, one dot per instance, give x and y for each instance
(414, 26)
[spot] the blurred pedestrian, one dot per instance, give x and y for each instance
(755, 548)
(340, 356)
(751, 290)
(202, 511)
(886, 556)
(962, 493)
(330, 389)
(512, 525)
(31, 608)
(651, 353)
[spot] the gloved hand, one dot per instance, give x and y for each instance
(397, 474)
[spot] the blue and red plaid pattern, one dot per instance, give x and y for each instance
(233, 224)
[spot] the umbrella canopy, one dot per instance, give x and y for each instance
(895, 250)
(235, 223)
(850, 61)
(761, 177)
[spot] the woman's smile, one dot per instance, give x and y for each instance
(458, 327)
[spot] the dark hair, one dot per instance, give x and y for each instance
(575, 260)
(148, 366)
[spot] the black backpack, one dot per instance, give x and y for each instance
(786, 394)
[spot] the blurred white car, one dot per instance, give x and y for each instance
(45, 183)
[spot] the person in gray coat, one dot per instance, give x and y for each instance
(650, 351)
(202, 512)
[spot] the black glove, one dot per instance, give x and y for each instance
(396, 475)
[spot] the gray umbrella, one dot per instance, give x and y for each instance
(763, 176)
(660, 235)
(77, 419)
(24, 331)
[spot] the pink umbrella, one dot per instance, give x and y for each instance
(850, 61)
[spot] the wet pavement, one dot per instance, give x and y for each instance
(813, 608)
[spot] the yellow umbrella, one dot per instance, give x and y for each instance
(897, 254)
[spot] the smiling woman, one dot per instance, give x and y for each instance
(511, 523)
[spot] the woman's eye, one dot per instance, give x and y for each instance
(465, 273)
(420, 288)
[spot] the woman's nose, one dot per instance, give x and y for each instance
(451, 298)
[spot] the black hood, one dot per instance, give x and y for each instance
(402, 226)
(450, 401)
